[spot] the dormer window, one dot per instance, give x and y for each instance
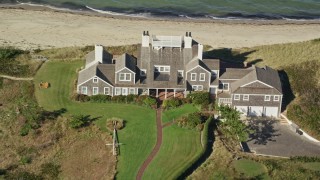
(95, 80)
(161, 68)
(143, 72)
(124, 77)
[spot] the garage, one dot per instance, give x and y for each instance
(242, 109)
(271, 111)
(255, 110)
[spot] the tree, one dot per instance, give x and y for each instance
(232, 126)
(78, 121)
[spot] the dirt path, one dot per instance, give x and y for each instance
(155, 149)
(17, 78)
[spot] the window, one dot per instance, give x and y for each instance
(237, 97)
(131, 91)
(197, 87)
(107, 91)
(84, 90)
(246, 97)
(225, 86)
(124, 77)
(95, 80)
(193, 76)
(161, 68)
(276, 98)
(143, 72)
(180, 73)
(267, 98)
(117, 91)
(202, 77)
(95, 90)
(125, 91)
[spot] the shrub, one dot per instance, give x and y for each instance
(9, 53)
(23, 175)
(119, 99)
(140, 99)
(78, 121)
(25, 160)
(1, 82)
(25, 129)
(171, 103)
(131, 98)
(150, 101)
(192, 120)
(199, 98)
(100, 98)
(120, 123)
(81, 98)
(50, 170)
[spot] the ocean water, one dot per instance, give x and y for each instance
(215, 9)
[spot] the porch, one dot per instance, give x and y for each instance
(166, 93)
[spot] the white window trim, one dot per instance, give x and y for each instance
(93, 90)
(223, 86)
(265, 97)
(195, 77)
(126, 90)
(105, 91)
(125, 75)
(158, 67)
(236, 97)
(82, 89)
(274, 98)
(134, 91)
(246, 95)
(181, 71)
(204, 77)
(196, 87)
(116, 90)
(95, 80)
(145, 72)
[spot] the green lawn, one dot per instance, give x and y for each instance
(171, 114)
(250, 168)
(180, 147)
(140, 120)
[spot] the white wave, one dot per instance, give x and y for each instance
(141, 15)
(41, 5)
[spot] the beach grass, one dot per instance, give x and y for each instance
(139, 120)
(173, 114)
(179, 149)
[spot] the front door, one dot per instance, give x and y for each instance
(124, 91)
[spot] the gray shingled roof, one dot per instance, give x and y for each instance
(107, 57)
(103, 71)
(235, 73)
(87, 73)
(107, 72)
(195, 62)
(125, 60)
(213, 64)
(266, 75)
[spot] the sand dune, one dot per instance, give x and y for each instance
(32, 29)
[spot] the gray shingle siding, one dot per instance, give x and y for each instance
(90, 84)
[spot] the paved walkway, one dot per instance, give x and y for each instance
(17, 78)
(155, 149)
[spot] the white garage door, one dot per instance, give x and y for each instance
(255, 110)
(242, 109)
(271, 111)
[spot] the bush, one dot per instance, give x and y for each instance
(78, 121)
(150, 101)
(199, 98)
(131, 98)
(50, 170)
(192, 120)
(120, 123)
(25, 160)
(100, 98)
(25, 129)
(171, 103)
(119, 99)
(81, 98)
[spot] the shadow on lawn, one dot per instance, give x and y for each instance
(205, 155)
(263, 131)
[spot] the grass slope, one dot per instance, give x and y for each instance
(140, 121)
(179, 148)
(249, 168)
(178, 112)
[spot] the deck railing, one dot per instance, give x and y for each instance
(225, 100)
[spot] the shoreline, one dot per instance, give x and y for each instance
(91, 12)
(41, 27)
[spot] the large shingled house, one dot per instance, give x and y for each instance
(173, 66)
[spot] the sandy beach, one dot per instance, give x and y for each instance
(45, 29)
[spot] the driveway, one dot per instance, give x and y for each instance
(274, 138)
